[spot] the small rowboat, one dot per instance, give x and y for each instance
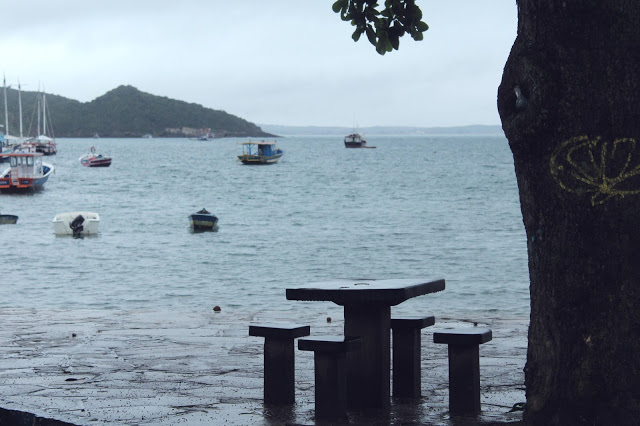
(203, 221)
(8, 219)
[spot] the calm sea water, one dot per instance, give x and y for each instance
(442, 207)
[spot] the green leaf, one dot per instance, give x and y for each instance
(339, 5)
(356, 34)
(422, 26)
(371, 35)
(394, 41)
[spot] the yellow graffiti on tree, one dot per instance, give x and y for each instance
(597, 167)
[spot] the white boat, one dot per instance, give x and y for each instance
(44, 142)
(26, 172)
(95, 160)
(76, 223)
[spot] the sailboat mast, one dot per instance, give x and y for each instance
(20, 107)
(44, 114)
(38, 109)
(6, 113)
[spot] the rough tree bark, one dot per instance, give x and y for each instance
(574, 131)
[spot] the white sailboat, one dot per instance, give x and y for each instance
(44, 142)
(8, 141)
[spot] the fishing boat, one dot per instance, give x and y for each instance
(78, 224)
(26, 171)
(355, 140)
(8, 219)
(92, 159)
(203, 221)
(259, 153)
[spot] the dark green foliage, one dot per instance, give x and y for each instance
(124, 112)
(383, 28)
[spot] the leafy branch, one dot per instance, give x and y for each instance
(383, 28)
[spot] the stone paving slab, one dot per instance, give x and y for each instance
(154, 368)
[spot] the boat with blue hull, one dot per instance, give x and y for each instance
(203, 221)
(260, 153)
(26, 172)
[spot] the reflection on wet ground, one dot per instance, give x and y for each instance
(147, 368)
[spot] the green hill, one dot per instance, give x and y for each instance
(125, 112)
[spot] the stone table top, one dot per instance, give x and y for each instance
(386, 292)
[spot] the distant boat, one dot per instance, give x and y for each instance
(203, 221)
(8, 219)
(355, 140)
(147, 136)
(95, 160)
(76, 223)
(26, 172)
(258, 153)
(205, 135)
(96, 136)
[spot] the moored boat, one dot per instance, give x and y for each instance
(355, 140)
(44, 142)
(78, 224)
(95, 160)
(8, 219)
(45, 145)
(259, 153)
(26, 171)
(203, 221)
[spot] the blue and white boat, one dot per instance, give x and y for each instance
(203, 221)
(259, 153)
(26, 172)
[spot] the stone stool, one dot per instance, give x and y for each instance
(279, 363)
(330, 373)
(406, 354)
(464, 366)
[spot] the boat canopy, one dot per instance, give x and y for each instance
(22, 154)
(44, 138)
(258, 143)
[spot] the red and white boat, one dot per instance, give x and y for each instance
(26, 171)
(95, 160)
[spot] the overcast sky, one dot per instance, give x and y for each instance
(287, 62)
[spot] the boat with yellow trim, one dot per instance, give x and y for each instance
(259, 153)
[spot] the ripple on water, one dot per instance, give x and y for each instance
(415, 206)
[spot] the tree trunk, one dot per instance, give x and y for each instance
(575, 136)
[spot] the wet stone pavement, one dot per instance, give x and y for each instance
(149, 368)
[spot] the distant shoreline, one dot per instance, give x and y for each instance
(476, 129)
